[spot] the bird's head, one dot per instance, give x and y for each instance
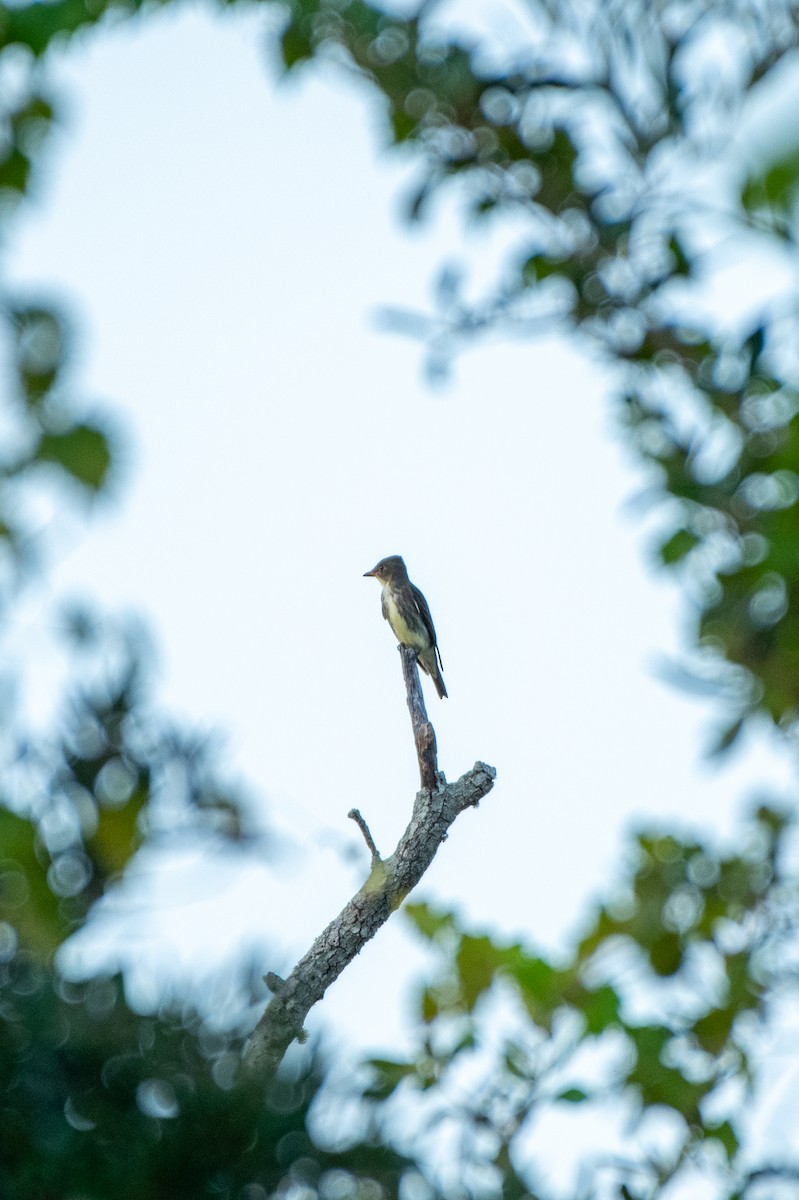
(388, 569)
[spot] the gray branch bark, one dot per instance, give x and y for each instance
(423, 733)
(390, 880)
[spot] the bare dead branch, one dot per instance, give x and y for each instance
(423, 732)
(388, 884)
(390, 880)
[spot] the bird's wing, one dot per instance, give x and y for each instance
(424, 613)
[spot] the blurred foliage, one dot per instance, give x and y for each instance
(48, 440)
(77, 802)
(592, 140)
(592, 143)
(98, 1101)
(655, 1013)
(593, 156)
(50, 436)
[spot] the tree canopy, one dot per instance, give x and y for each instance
(594, 137)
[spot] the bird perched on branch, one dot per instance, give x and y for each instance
(406, 611)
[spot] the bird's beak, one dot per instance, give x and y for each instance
(366, 574)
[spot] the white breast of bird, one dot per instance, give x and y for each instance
(403, 634)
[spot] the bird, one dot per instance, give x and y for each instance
(406, 611)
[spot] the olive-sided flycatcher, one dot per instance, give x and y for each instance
(406, 611)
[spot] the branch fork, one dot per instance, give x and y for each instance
(436, 807)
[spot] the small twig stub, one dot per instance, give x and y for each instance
(355, 816)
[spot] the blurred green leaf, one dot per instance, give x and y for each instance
(727, 739)
(428, 921)
(403, 126)
(295, 45)
(665, 953)
(27, 901)
(557, 171)
(775, 186)
(118, 833)
(35, 25)
(682, 262)
(714, 1028)
(724, 1133)
(388, 1075)
(745, 989)
(476, 960)
(658, 1083)
(601, 1008)
(539, 267)
(40, 346)
(15, 169)
(677, 547)
(543, 988)
(429, 1006)
(82, 451)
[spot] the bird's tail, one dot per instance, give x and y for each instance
(429, 661)
(438, 680)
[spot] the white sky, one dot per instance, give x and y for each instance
(224, 244)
